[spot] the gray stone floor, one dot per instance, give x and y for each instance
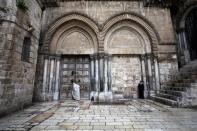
(134, 115)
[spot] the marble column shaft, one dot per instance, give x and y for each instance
(149, 70)
(157, 74)
(45, 77)
(92, 76)
(101, 72)
(143, 72)
(105, 73)
(96, 74)
(109, 73)
(56, 94)
(51, 76)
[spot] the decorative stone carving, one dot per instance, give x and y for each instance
(75, 43)
(153, 35)
(81, 24)
(126, 38)
(7, 11)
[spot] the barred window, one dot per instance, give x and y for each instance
(26, 49)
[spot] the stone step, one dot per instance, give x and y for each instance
(167, 96)
(186, 81)
(175, 93)
(188, 71)
(118, 96)
(172, 82)
(186, 76)
(175, 88)
(185, 84)
(165, 101)
(189, 68)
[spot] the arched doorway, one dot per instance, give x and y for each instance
(132, 51)
(191, 33)
(127, 43)
(68, 45)
(74, 45)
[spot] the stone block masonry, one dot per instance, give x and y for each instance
(17, 76)
(126, 74)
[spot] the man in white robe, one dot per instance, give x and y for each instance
(76, 91)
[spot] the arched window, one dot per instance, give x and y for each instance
(26, 49)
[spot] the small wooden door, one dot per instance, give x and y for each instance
(75, 68)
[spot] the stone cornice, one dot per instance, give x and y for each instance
(157, 3)
(150, 3)
(48, 3)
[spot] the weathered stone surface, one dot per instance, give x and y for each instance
(138, 115)
(126, 75)
(125, 40)
(17, 77)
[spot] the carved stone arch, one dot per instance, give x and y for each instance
(135, 41)
(64, 45)
(141, 21)
(70, 27)
(69, 21)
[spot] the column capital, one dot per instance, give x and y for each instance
(46, 56)
(106, 55)
(142, 57)
(149, 55)
(101, 55)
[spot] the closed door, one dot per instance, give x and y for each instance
(75, 68)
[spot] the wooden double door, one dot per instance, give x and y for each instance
(76, 68)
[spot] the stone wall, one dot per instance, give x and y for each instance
(126, 75)
(101, 11)
(16, 76)
(168, 68)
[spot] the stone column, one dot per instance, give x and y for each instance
(57, 80)
(183, 48)
(51, 76)
(96, 74)
(45, 78)
(157, 80)
(186, 50)
(150, 82)
(101, 72)
(109, 72)
(144, 73)
(106, 73)
(92, 74)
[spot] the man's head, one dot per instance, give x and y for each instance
(72, 81)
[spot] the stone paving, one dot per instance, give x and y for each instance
(134, 115)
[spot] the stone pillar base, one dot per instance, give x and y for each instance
(101, 96)
(56, 96)
(152, 93)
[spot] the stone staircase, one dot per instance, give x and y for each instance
(182, 91)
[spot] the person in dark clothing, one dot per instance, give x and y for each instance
(141, 90)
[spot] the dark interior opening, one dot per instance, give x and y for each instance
(191, 33)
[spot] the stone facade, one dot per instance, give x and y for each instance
(17, 76)
(103, 29)
(124, 42)
(126, 75)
